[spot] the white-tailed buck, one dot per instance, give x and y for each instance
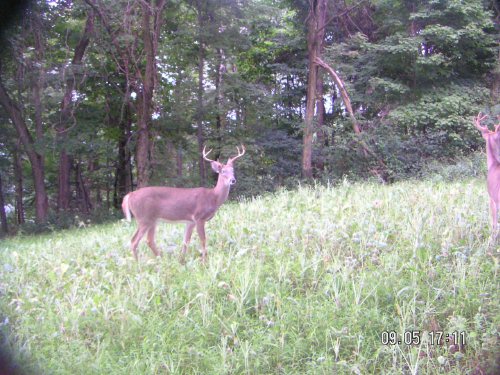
(193, 206)
(493, 161)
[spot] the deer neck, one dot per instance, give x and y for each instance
(492, 157)
(221, 191)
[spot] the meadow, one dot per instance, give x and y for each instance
(353, 278)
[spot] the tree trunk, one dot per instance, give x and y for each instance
(218, 100)
(200, 109)
(38, 80)
(3, 216)
(151, 24)
(64, 180)
(98, 196)
(199, 117)
(65, 159)
(92, 167)
(309, 123)
(179, 162)
(320, 122)
(142, 146)
(315, 34)
(123, 176)
(18, 180)
(82, 192)
(36, 160)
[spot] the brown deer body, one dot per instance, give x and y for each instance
(193, 206)
(492, 139)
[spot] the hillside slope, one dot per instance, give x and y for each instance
(318, 280)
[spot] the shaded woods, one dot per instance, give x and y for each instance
(98, 98)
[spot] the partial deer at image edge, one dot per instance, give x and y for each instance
(492, 139)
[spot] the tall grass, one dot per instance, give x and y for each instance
(296, 282)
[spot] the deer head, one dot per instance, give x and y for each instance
(225, 171)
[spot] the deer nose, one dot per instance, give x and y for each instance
(232, 181)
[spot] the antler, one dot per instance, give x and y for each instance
(206, 153)
(477, 123)
(240, 154)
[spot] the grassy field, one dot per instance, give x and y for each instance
(297, 282)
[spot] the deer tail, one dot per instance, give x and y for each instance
(126, 207)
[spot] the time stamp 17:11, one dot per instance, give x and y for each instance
(414, 338)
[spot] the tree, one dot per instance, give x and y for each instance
(35, 157)
(65, 122)
(32, 141)
(152, 21)
(316, 26)
(3, 217)
(136, 62)
(316, 23)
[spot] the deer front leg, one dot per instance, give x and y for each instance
(200, 227)
(187, 238)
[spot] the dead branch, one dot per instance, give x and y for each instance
(382, 173)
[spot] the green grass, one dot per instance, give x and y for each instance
(297, 282)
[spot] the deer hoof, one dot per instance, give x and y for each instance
(182, 259)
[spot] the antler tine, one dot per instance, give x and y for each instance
(240, 153)
(477, 122)
(206, 153)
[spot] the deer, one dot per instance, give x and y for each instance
(492, 139)
(192, 206)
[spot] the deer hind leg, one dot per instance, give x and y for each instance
(187, 237)
(137, 238)
(200, 227)
(151, 240)
(494, 216)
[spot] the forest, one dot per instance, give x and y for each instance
(99, 98)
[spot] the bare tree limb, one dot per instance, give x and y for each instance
(382, 172)
(343, 92)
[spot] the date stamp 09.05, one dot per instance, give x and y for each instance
(415, 338)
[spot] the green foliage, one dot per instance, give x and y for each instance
(444, 116)
(418, 79)
(462, 168)
(302, 281)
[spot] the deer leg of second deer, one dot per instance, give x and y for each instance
(151, 241)
(494, 216)
(137, 238)
(200, 227)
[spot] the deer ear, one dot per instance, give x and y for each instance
(216, 166)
